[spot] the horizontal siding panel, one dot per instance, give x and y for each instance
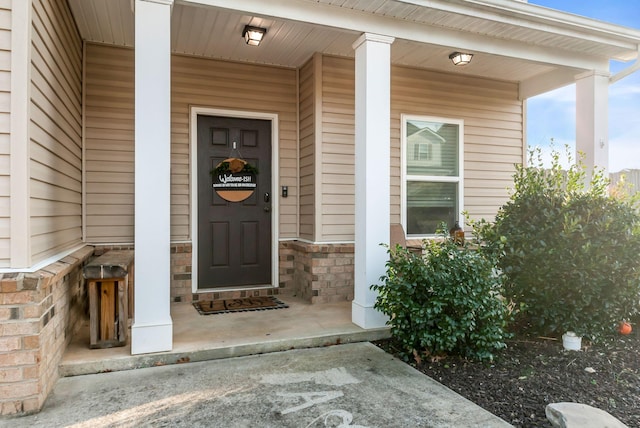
(493, 134)
(5, 185)
(51, 243)
(328, 208)
(111, 161)
(42, 225)
(60, 177)
(487, 201)
(5, 60)
(493, 130)
(46, 134)
(493, 157)
(330, 190)
(348, 179)
(5, 166)
(5, 95)
(195, 81)
(55, 130)
(109, 136)
(339, 219)
(110, 188)
(110, 220)
(5, 15)
(494, 167)
(504, 178)
(5, 228)
(97, 199)
(338, 130)
(482, 192)
(111, 178)
(55, 208)
(48, 192)
(111, 234)
(307, 150)
(5, 39)
(66, 162)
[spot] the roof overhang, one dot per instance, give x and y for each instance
(511, 40)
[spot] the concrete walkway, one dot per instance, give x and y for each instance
(355, 385)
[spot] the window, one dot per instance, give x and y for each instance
(432, 170)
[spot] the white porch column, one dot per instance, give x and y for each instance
(372, 169)
(592, 119)
(152, 329)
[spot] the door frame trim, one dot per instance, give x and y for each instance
(194, 112)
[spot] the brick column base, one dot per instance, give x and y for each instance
(39, 312)
(321, 273)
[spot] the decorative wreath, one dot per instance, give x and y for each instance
(234, 165)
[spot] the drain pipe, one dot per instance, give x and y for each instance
(627, 71)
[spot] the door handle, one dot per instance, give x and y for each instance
(267, 197)
(267, 208)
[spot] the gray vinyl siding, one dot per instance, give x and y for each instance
(55, 130)
(194, 82)
(5, 131)
(307, 151)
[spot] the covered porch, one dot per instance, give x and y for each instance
(511, 63)
(116, 109)
(206, 337)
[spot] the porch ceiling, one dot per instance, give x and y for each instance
(212, 28)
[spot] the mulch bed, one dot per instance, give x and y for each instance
(533, 372)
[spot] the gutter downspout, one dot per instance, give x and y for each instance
(627, 71)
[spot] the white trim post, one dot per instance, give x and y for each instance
(20, 172)
(592, 120)
(152, 329)
(372, 170)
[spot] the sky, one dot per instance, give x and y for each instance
(552, 115)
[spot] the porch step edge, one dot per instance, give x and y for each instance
(132, 362)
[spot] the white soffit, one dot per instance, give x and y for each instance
(299, 28)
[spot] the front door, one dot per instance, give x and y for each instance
(234, 238)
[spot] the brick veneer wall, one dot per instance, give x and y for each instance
(39, 312)
(180, 268)
(181, 273)
(321, 273)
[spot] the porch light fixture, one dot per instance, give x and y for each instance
(253, 35)
(459, 58)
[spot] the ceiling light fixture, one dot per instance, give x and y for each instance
(459, 58)
(253, 35)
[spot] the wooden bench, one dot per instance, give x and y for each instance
(109, 298)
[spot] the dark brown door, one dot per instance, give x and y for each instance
(234, 238)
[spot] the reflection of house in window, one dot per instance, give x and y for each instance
(422, 152)
(426, 146)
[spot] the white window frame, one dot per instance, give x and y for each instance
(404, 177)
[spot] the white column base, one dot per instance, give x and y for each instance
(367, 317)
(149, 338)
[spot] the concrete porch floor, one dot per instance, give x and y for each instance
(206, 337)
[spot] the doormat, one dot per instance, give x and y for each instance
(261, 303)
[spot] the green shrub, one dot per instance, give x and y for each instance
(445, 302)
(570, 252)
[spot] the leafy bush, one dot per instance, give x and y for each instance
(445, 302)
(570, 252)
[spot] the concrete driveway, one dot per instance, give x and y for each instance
(352, 385)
